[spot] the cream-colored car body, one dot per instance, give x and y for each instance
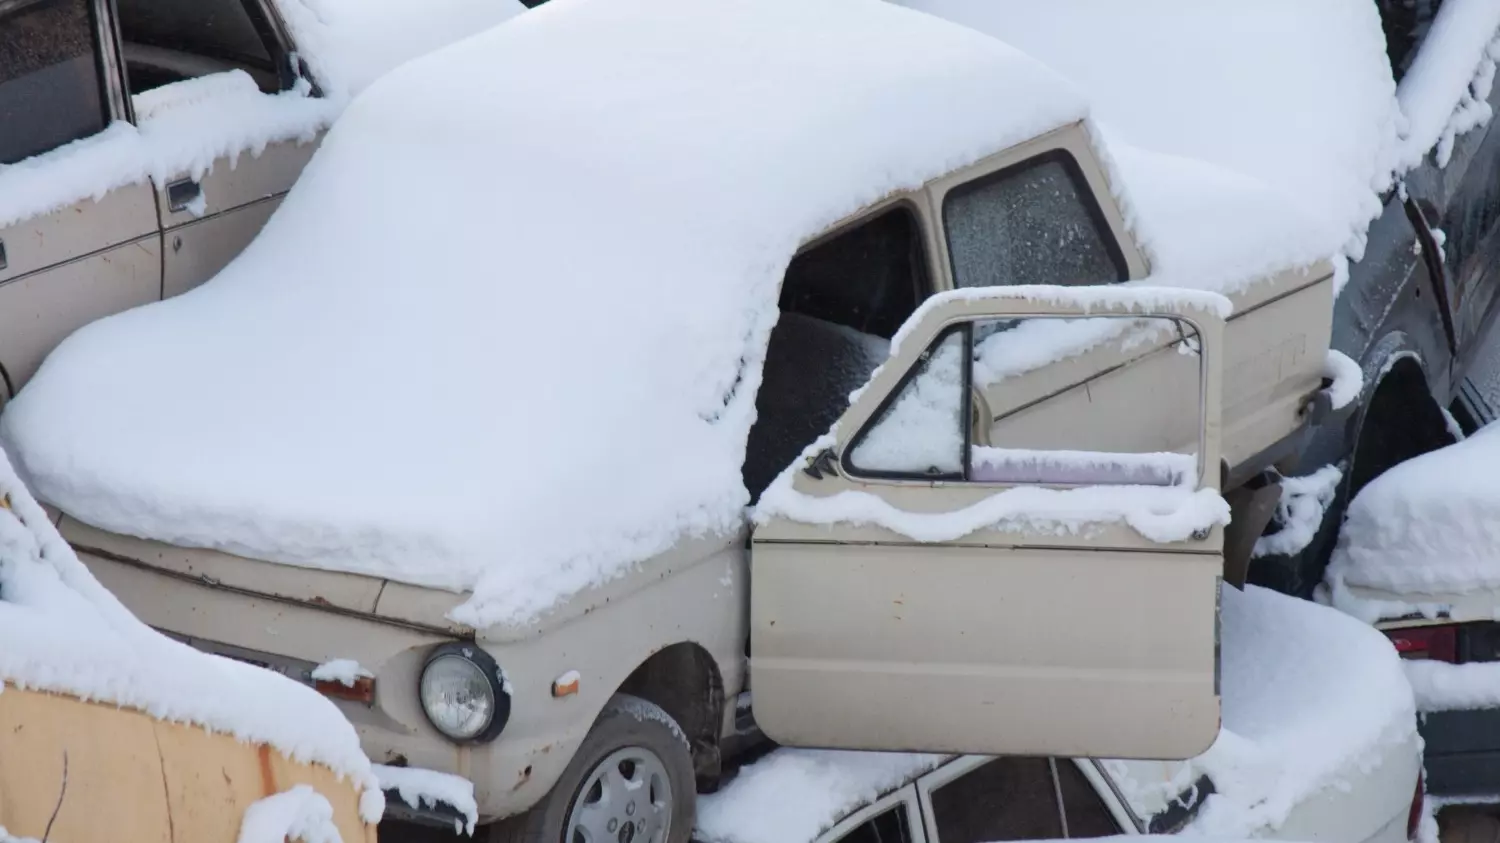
(1102, 614)
(139, 242)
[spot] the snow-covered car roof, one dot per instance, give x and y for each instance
(1225, 119)
(183, 127)
(64, 633)
(1423, 530)
(494, 337)
(1311, 698)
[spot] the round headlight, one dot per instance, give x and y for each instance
(462, 693)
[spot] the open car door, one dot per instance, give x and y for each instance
(1011, 542)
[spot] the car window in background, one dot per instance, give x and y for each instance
(50, 89)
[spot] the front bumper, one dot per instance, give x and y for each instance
(510, 774)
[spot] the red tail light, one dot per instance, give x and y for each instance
(1414, 818)
(1439, 643)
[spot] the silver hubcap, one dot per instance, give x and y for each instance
(626, 799)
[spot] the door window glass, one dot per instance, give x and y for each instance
(166, 41)
(1035, 223)
(1084, 808)
(841, 301)
(1017, 401)
(51, 92)
(921, 432)
(1004, 799)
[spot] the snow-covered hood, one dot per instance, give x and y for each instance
(1313, 702)
(63, 632)
(505, 333)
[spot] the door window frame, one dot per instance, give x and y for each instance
(1072, 140)
(903, 798)
(965, 326)
(1074, 172)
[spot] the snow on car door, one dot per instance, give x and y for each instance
(1011, 542)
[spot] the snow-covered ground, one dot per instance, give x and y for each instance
(1315, 703)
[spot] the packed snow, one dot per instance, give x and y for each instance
(65, 633)
(1348, 378)
(1440, 686)
(1311, 699)
(1299, 514)
(416, 418)
(186, 125)
(1443, 93)
(1430, 525)
(300, 814)
(427, 788)
(343, 671)
(793, 795)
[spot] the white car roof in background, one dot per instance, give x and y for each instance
(1311, 698)
(492, 338)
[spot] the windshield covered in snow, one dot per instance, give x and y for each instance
(1035, 223)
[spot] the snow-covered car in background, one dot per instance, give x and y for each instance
(1318, 744)
(147, 141)
(1419, 557)
(506, 474)
(109, 731)
(1369, 116)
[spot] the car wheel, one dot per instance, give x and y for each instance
(631, 781)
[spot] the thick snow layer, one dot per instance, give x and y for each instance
(564, 388)
(1289, 138)
(793, 795)
(184, 126)
(1428, 525)
(1443, 93)
(287, 817)
(1440, 686)
(343, 671)
(426, 788)
(1311, 699)
(65, 633)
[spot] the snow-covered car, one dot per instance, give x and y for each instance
(109, 731)
(146, 142)
(506, 474)
(1318, 744)
(1419, 557)
(1370, 116)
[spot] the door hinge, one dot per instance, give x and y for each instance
(824, 463)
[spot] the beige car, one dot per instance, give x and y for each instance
(1017, 517)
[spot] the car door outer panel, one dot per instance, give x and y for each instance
(73, 266)
(1091, 642)
(237, 196)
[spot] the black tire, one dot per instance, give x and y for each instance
(626, 722)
